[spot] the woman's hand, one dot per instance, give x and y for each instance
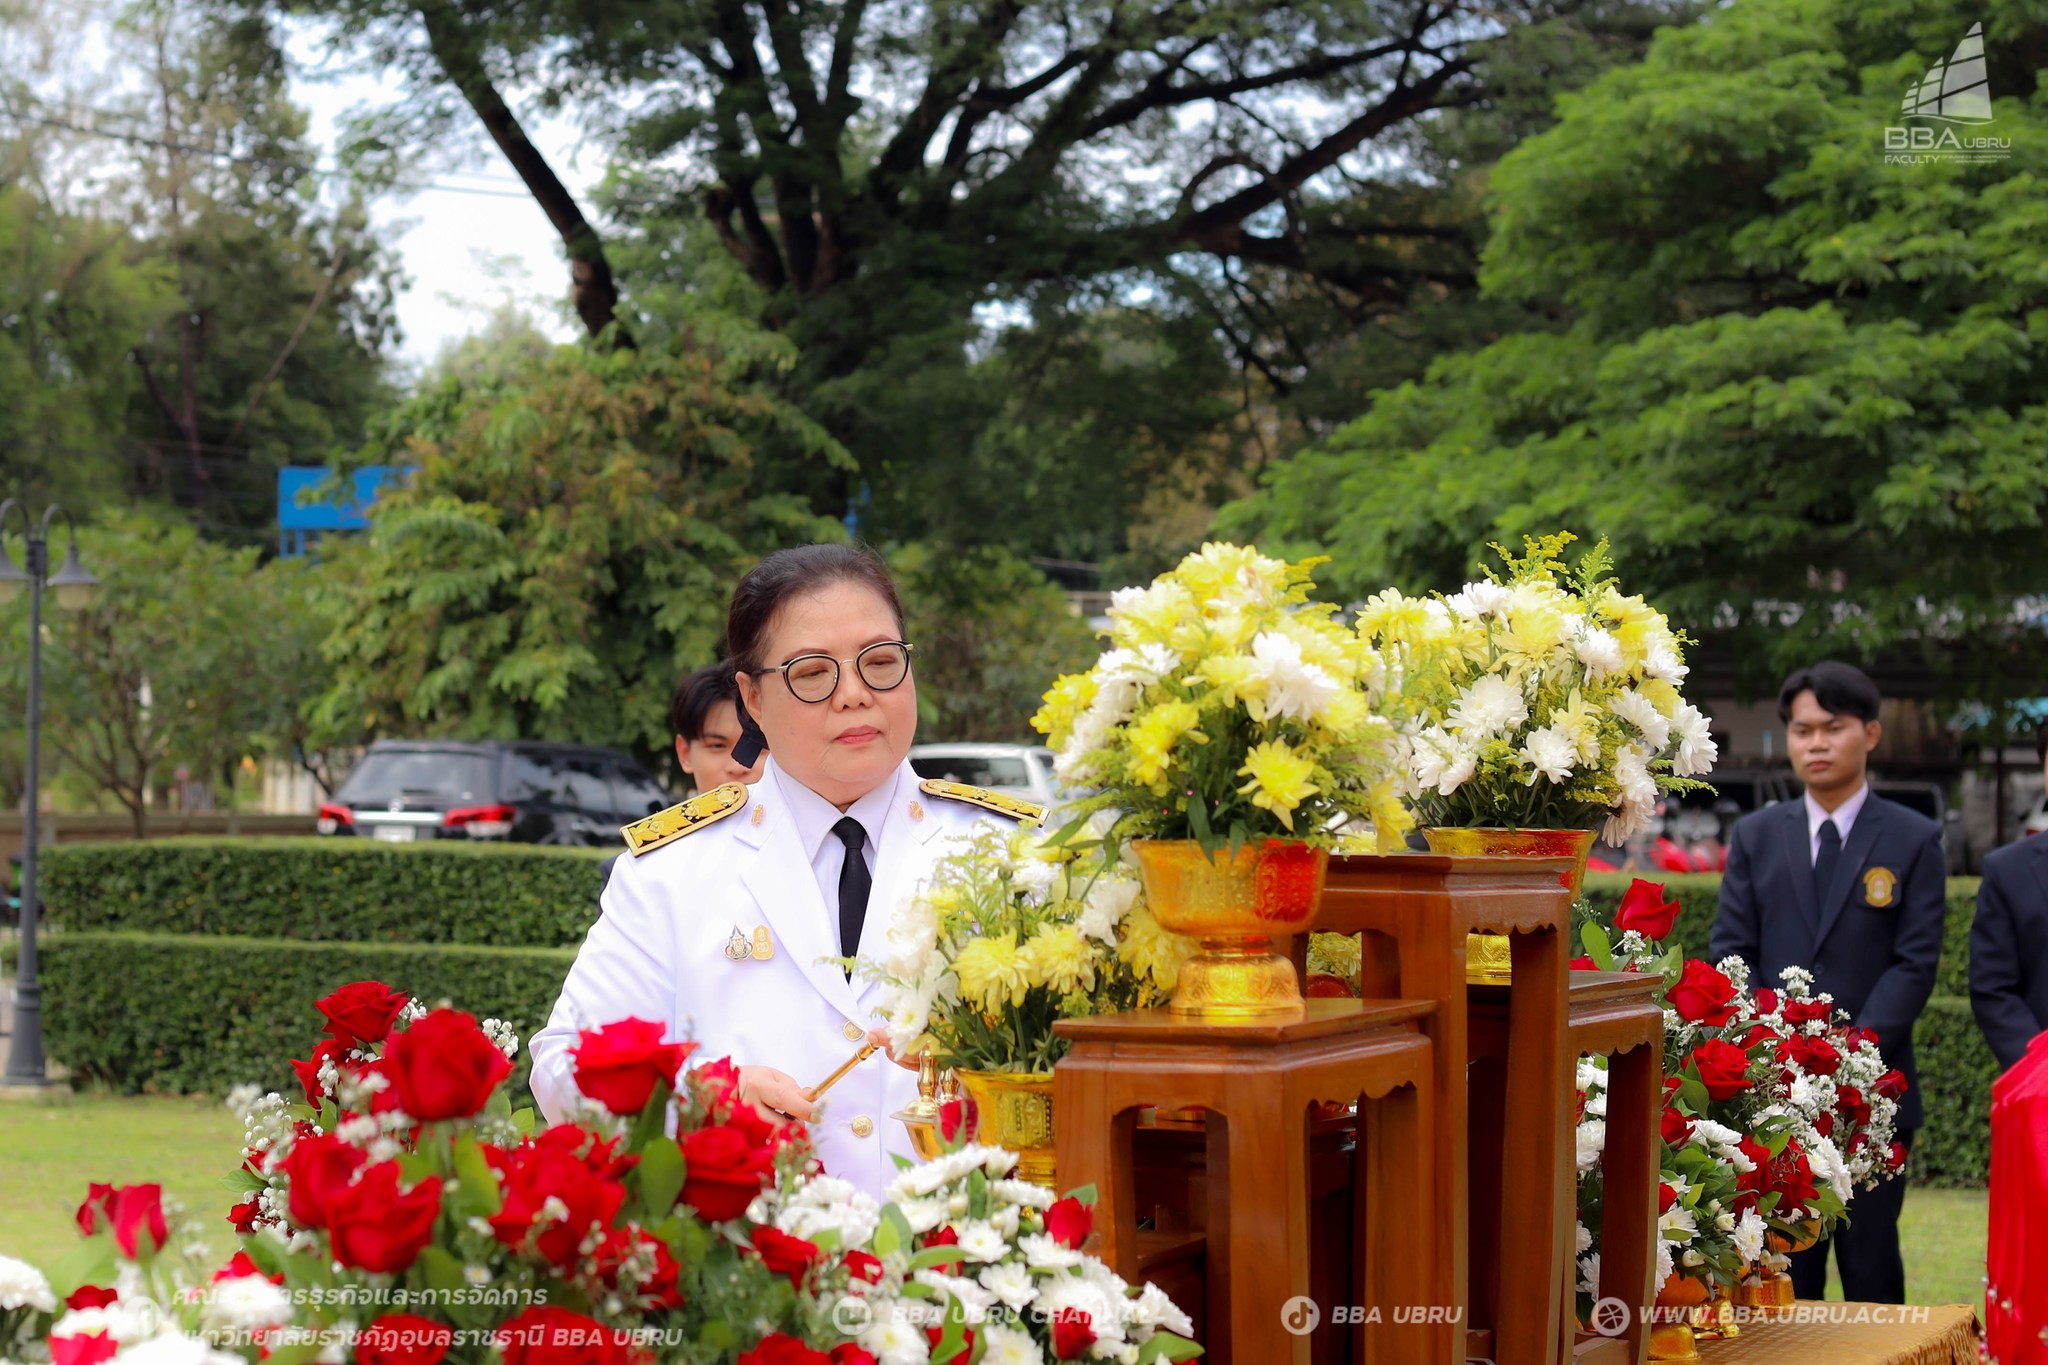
(880, 1038)
(766, 1088)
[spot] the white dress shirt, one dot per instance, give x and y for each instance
(1843, 815)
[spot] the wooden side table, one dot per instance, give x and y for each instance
(1510, 1229)
(1258, 1080)
(1616, 1015)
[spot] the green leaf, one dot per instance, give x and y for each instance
(1167, 1346)
(893, 1234)
(92, 1261)
(1598, 946)
(936, 1256)
(476, 1186)
(660, 1175)
(241, 1181)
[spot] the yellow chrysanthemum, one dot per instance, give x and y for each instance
(1058, 958)
(1579, 721)
(1150, 950)
(1151, 613)
(1153, 737)
(1660, 694)
(1064, 702)
(992, 972)
(1281, 779)
(1233, 676)
(1393, 619)
(1219, 568)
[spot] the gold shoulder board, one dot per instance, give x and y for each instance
(666, 826)
(1016, 807)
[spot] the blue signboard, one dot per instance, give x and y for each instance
(312, 500)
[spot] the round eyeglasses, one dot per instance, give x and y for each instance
(815, 677)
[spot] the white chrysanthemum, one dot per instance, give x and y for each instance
(1582, 1240)
(1828, 1165)
(1589, 1274)
(1155, 1311)
(1660, 660)
(1717, 1136)
(23, 1286)
(1072, 1294)
(1034, 877)
(245, 1303)
(896, 1342)
(1022, 1192)
(130, 1318)
(921, 1214)
(175, 1348)
(1638, 795)
(974, 1301)
(1109, 899)
(1663, 1271)
(1042, 1252)
(1678, 1219)
(1549, 752)
(1639, 711)
(1596, 1103)
(1749, 1237)
(1442, 761)
(1697, 751)
(1489, 706)
(828, 1204)
(1592, 1136)
(1481, 598)
(1011, 1282)
(1002, 1345)
(1599, 651)
(1295, 688)
(979, 1241)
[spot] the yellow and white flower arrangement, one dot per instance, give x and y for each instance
(1545, 699)
(1229, 707)
(1014, 930)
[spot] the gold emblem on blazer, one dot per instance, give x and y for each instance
(1880, 887)
(763, 947)
(667, 826)
(1016, 807)
(737, 948)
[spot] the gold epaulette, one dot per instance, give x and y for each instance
(667, 826)
(1016, 807)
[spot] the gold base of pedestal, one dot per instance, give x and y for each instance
(1013, 1109)
(1225, 982)
(1235, 902)
(1489, 960)
(1672, 1342)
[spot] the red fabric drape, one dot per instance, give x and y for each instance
(2016, 1302)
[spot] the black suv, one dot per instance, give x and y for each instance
(530, 793)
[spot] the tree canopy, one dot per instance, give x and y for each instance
(1797, 386)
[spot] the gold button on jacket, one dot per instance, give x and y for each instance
(862, 1126)
(854, 1032)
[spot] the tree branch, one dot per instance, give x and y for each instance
(291, 344)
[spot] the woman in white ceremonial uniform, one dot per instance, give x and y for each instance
(723, 924)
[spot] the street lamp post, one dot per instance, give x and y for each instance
(73, 586)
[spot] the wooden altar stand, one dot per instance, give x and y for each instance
(1613, 1015)
(1507, 1214)
(1258, 1081)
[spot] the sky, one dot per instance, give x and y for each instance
(475, 242)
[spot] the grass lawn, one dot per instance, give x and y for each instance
(49, 1152)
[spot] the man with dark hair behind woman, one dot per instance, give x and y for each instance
(704, 717)
(1850, 887)
(2009, 942)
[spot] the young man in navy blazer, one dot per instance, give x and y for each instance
(2009, 943)
(1849, 886)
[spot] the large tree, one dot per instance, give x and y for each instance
(872, 173)
(1798, 386)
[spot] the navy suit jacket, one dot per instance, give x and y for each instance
(1876, 960)
(2009, 948)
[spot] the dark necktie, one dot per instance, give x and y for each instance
(854, 884)
(1824, 863)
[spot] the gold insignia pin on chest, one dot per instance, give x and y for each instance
(737, 949)
(757, 813)
(916, 811)
(764, 946)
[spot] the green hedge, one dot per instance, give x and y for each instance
(327, 890)
(188, 1014)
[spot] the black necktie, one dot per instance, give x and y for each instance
(854, 884)
(1823, 864)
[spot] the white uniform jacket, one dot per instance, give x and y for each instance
(659, 952)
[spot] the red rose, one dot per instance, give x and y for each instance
(1721, 1066)
(1792, 1176)
(1891, 1085)
(403, 1339)
(959, 1355)
(1758, 1033)
(317, 1170)
(97, 1205)
(1856, 1038)
(784, 1254)
(138, 1211)
(1644, 909)
(1702, 995)
(240, 1265)
(549, 1335)
(1807, 1011)
(1072, 1333)
(863, 1266)
(660, 1289)
(847, 1353)
(242, 1217)
(371, 1226)
(550, 1168)
(942, 1237)
(85, 1350)
(777, 1349)
(717, 1081)
(1816, 1056)
(1824, 1124)
(1675, 1127)
(90, 1296)
(1069, 1222)
(444, 1066)
(1750, 1185)
(1766, 1001)
(620, 1064)
(952, 1118)
(722, 1172)
(1666, 1197)
(1581, 963)
(308, 1071)
(1897, 1158)
(361, 1012)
